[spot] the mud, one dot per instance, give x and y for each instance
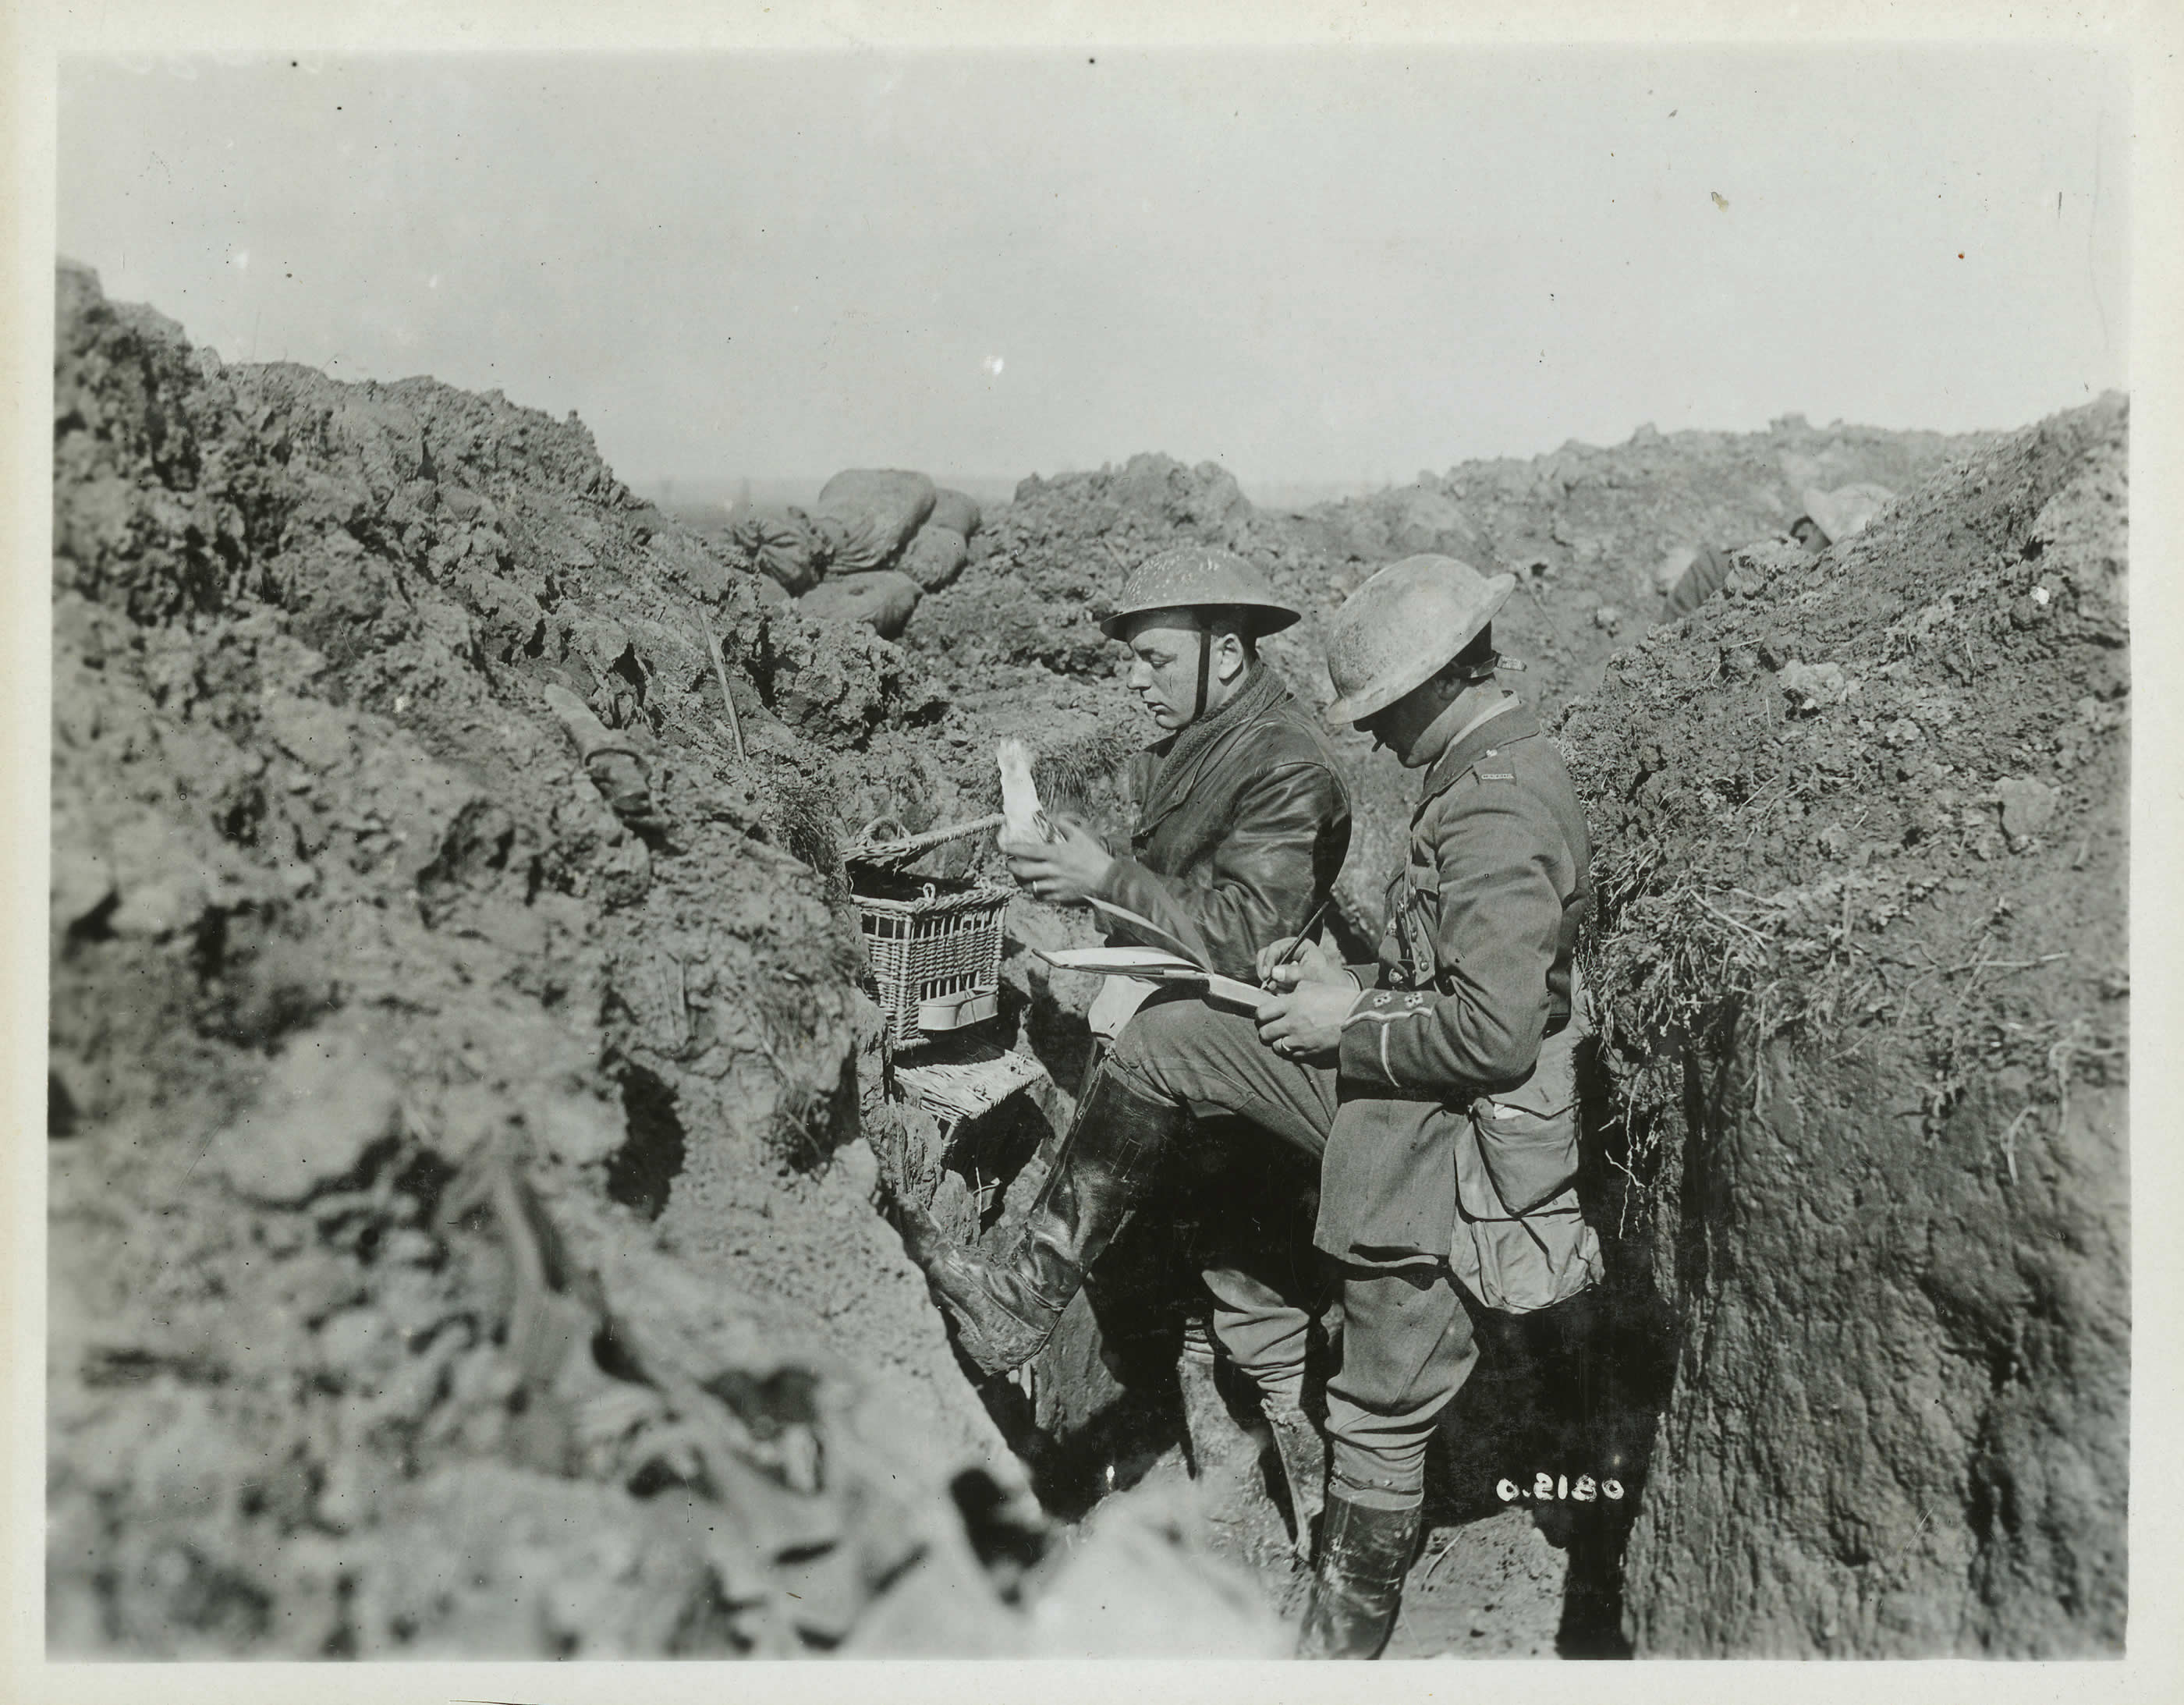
(461, 1240)
(467, 1129)
(1863, 963)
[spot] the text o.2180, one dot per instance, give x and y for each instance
(1552, 1488)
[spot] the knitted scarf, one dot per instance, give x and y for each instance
(1263, 691)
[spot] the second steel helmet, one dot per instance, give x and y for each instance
(1400, 628)
(1200, 578)
(1845, 512)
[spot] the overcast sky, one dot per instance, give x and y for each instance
(1310, 265)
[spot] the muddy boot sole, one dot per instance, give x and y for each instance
(1000, 1323)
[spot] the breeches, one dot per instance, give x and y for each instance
(1407, 1344)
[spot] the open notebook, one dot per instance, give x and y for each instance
(1154, 967)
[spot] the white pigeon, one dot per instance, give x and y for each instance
(1025, 819)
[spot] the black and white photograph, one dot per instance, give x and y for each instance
(1086, 843)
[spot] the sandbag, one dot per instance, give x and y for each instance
(781, 543)
(935, 556)
(865, 515)
(1426, 519)
(956, 512)
(884, 601)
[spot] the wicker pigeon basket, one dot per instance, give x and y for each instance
(932, 945)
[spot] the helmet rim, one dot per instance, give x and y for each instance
(1430, 577)
(1224, 581)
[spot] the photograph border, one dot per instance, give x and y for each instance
(33, 37)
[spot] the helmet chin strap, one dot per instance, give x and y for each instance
(1204, 661)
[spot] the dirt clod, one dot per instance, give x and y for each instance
(326, 1104)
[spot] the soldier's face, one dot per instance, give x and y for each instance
(1163, 671)
(1402, 727)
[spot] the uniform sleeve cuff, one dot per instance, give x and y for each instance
(1113, 886)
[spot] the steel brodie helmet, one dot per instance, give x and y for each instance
(1845, 512)
(1197, 577)
(1400, 628)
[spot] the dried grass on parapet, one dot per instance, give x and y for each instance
(1072, 774)
(1863, 795)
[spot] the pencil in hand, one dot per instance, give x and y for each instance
(1299, 942)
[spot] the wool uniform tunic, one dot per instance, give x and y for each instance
(1445, 1130)
(1708, 571)
(1475, 973)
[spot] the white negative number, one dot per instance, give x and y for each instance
(1547, 1488)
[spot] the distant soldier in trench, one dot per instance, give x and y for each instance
(1242, 824)
(1436, 1088)
(1829, 518)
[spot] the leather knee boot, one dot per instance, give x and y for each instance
(1003, 1310)
(1358, 1587)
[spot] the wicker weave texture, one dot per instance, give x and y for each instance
(936, 945)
